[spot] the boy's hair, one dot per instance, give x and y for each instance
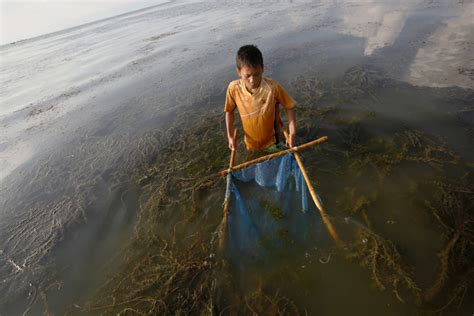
(249, 55)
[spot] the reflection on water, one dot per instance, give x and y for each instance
(446, 60)
(116, 211)
(379, 23)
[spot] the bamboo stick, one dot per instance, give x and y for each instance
(223, 226)
(275, 155)
(227, 198)
(316, 201)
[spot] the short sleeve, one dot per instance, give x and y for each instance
(229, 99)
(284, 98)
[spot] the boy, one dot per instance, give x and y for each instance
(257, 98)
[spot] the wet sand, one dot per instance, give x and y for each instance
(78, 107)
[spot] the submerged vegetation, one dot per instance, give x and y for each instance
(272, 209)
(172, 264)
(376, 170)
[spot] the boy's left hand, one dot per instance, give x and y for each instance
(290, 141)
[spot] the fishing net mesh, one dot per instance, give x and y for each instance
(269, 211)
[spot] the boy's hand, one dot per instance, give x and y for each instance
(290, 141)
(233, 141)
(231, 131)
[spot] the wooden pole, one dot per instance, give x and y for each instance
(275, 155)
(316, 201)
(223, 226)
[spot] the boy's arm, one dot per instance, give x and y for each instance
(231, 136)
(291, 115)
(288, 103)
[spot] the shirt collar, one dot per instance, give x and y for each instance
(247, 92)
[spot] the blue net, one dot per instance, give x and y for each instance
(269, 214)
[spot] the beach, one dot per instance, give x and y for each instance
(98, 119)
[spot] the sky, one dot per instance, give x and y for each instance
(22, 19)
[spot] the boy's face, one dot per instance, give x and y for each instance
(252, 76)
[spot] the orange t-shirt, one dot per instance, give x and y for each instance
(257, 111)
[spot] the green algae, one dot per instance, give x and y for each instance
(274, 211)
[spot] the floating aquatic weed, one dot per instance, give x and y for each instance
(60, 196)
(453, 279)
(260, 302)
(450, 207)
(385, 263)
(359, 203)
(308, 89)
(169, 268)
(166, 279)
(382, 154)
(358, 82)
(369, 155)
(165, 274)
(364, 77)
(159, 263)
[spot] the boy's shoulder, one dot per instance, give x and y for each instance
(234, 83)
(272, 82)
(233, 86)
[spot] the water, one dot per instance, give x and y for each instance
(87, 112)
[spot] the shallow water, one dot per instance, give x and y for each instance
(88, 112)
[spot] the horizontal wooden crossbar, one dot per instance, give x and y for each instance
(275, 155)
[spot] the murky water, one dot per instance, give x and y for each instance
(109, 131)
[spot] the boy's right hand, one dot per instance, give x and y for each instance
(233, 141)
